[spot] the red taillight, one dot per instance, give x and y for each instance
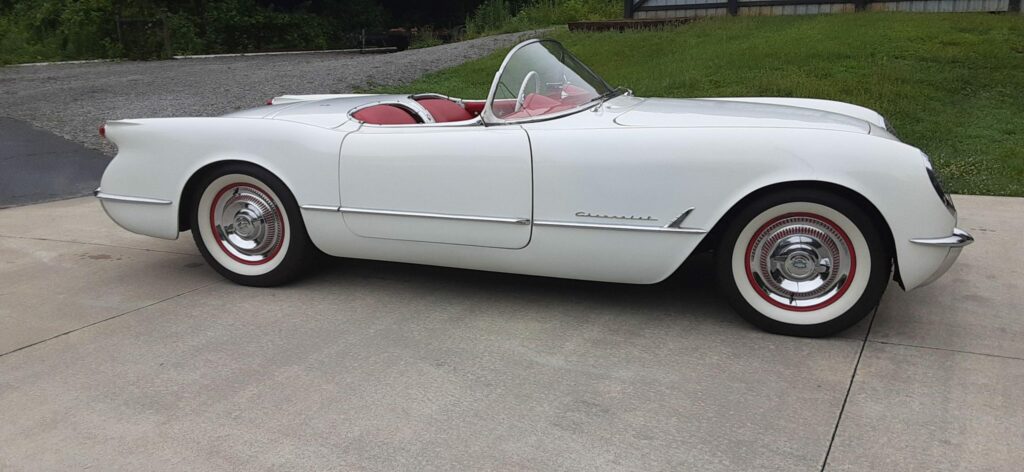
(103, 130)
(270, 101)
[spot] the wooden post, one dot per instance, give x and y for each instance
(627, 9)
(1014, 6)
(120, 39)
(733, 6)
(167, 37)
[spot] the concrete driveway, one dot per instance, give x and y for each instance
(124, 352)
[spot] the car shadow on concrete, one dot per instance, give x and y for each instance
(690, 291)
(689, 295)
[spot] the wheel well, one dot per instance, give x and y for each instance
(714, 236)
(187, 193)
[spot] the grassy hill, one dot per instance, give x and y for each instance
(951, 84)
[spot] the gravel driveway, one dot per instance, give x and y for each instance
(71, 100)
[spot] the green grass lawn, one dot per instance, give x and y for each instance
(951, 84)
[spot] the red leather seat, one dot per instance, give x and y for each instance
(385, 115)
(474, 107)
(445, 111)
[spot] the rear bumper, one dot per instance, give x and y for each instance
(141, 215)
(103, 196)
(952, 245)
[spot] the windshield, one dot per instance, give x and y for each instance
(542, 78)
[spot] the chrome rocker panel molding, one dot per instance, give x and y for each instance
(98, 193)
(959, 238)
(319, 207)
(417, 214)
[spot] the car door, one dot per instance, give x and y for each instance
(469, 185)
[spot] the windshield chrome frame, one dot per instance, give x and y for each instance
(488, 116)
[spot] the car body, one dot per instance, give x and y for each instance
(605, 187)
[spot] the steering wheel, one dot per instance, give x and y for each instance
(521, 98)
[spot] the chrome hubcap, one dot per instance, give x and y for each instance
(800, 262)
(248, 224)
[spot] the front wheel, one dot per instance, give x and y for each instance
(803, 263)
(247, 226)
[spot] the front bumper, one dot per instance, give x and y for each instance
(952, 244)
(959, 238)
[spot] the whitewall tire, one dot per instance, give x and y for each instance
(247, 225)
(803, 263)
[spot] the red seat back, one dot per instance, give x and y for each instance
(385, 115)
(445, 111)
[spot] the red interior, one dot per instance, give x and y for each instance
(445, 111)
(536, 105)
(385, 115)
(504, 107)
(475, 107)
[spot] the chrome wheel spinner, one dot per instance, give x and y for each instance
(800, 262)
(247, 223)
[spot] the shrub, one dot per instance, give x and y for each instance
(492, 15)
(424, 37)
(503, 16)
(185, 36)
(87, 29)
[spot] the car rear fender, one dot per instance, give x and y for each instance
(157, 158)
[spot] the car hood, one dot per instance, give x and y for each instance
(737, 113)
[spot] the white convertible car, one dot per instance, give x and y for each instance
(810, 206)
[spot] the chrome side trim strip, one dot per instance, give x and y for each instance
(440, 216)
(658, 229)
(98, 193)
(319, 207)
(419, 214)
(959, 238)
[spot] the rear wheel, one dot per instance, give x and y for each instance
(803, 263)
(248, 227)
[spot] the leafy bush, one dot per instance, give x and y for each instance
(492, 15)
(554, 12)
(17, 45)
(503, 16)
(86, 30)
(424, 37)
(185, 36)
(47, 30)
(57, 29)
(248, 25)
